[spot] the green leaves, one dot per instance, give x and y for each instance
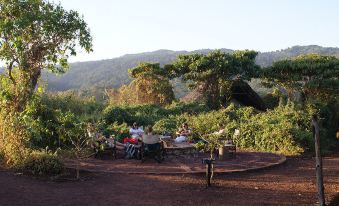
(151, 85)
(212, 72)
(36, 35)
(314, 75)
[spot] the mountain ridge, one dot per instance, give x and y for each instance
(112, 73)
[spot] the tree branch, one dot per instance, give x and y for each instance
(10, 68)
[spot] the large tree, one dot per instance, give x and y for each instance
(314, 76)
(151, 84)
(213, 73)
(36, 35)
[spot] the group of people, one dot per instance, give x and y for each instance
(130, 144)
(137, 135)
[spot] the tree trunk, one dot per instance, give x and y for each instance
(212, 93)
(319, 167)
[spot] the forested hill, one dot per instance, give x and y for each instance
(113, 72)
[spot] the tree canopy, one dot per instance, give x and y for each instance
(314, 75)
(213, 73)
(36, 35)
(150, 85)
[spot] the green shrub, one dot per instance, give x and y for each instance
(178, 108)
(120, 131)
(282, 130)
(207, 123)
(148, 114)
(42, 164)
(271, 101)
(55, 111)
(165, 125)
(73, 103)
(117, 114)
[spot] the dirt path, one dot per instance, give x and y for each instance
(292, 183)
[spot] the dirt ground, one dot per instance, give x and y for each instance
(174, 164)
(292, 183)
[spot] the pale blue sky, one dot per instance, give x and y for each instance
(132, 26)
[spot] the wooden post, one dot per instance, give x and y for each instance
(222, 153)
(209, 173)
(319, 166)
(209, 170)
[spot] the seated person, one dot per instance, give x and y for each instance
(110, 141)
(135, 131)
(151, 140)
(136, 134)
(113, 143)
(182, 133)
(128, 147)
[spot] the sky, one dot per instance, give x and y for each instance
(123, 27)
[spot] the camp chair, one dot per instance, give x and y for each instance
(156, 151)
(132, 151)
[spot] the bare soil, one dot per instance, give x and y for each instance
(174, 164)
(292, 183)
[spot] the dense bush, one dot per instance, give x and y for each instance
(210, 122)
(148, 114)
(42, 164)
(117, 114)
(177, 108)
(55, 115)
(270, 132)
(85, 108)
(206, 122)
(166, 125)
(283, 130)
(119, 131)
(271, 101)
(329, 123)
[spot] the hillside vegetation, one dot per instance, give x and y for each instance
(112, 73)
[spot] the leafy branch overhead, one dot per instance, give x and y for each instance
(312, 75)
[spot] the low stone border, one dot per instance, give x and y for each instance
(173, 165)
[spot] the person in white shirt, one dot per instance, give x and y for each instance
(182, 133)
(135, 131)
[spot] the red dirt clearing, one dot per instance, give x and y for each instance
(181, 164)
(292, 183)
